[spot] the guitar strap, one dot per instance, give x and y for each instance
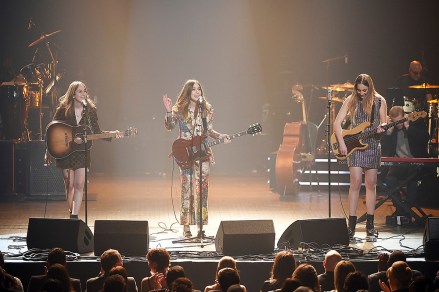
(372, 119)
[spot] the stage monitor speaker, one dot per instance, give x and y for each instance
(245, 237)
(130, 238)
(431, 239)
(330, 231)
(69, 234)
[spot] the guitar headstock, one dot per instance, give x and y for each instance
(254, 129)
(416, 115)
(130, 132)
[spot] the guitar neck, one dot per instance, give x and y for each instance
(101, 136)
(220, 141)
(372, 131)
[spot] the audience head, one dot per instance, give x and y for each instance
(158, 259)
(173, 274)
(227, 277)
(303, 289)
(399, 275)
(115, 283)
(109, 259)
(356, 281)
(59, 272)
(119, 270)
(290, 285)
(236, 288)
(56, 256)
(332, 257)
(52, 285)
(182, 284)
(283, 266)
(225, 262)
(342, 269)
(396, 256)
(2, 260)
(306, 274)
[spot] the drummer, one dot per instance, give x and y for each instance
(413, 77)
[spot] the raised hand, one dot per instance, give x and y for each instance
(167, 103)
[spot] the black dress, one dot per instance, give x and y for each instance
(77, 159)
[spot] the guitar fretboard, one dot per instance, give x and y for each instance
(219, 141)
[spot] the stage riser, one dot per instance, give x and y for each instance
(202, 273)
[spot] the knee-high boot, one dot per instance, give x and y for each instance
(351, 225)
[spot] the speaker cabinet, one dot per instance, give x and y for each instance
(431, 238)
(130, 238)
(245, 237)
(329, 231)
(31, 176)
(70, 234)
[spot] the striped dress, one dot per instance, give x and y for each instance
(371, 156)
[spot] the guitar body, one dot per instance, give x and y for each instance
(60, 139)
(186, 152)
(351, 139)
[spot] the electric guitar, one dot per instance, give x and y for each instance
(63, 139)
(186, 152)
(353, 137)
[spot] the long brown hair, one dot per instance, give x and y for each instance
(184, 98)
(67, 100)
(368, 100)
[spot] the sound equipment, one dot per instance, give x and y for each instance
(130, 238)
(330, 231)
(431, 238)
(31, 175)
(69, 234)
(245, 237)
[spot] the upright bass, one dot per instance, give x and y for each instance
(298, 145)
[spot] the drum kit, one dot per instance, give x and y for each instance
(32, 91)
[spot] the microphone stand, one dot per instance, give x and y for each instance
(328, 143)
(85, 117)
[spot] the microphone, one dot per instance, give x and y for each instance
(346, 58)
(84, 103)
(200, 99)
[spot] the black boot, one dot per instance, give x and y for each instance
(371, 233)
(351, 226)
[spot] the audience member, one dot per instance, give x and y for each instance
(56, 256)
(326, 280)
(421, 283)
(283, 268)
(237, 288)
(224, 262)
(182, 284)
(52, 285)
(342, 269)
(158, 262)
(375, 278)
(173, 274)
(59, 272)
(355, 281)
(289, 285)
(109, 259)
(7, 280)
(306, 274)
(226, 278)
(115, 283)
(400, 277)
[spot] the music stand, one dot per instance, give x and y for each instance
(86, 120)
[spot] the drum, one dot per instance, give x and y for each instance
(34, 94)
(14, 108)
(409, 105)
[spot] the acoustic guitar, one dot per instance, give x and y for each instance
(353, 138)
(63, 139)
(186, 152)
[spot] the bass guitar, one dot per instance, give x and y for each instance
(186, 152)
(63, 139)
(353, 137)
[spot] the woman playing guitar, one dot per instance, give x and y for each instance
(193, 115)
(364, 104)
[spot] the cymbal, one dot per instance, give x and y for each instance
(42, 38)
(424, 86)
(432, 101)
(338, 89)
(334, 99)
(347, 86)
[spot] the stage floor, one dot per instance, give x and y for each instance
(157, 199)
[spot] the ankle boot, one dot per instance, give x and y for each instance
(351, 226)
(370, 229)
